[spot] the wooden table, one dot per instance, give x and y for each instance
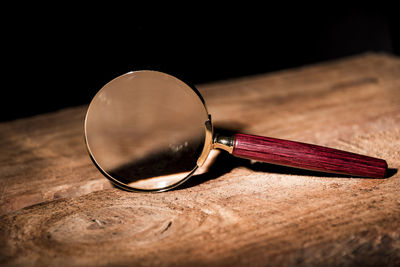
(58, 210)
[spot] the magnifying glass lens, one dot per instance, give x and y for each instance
(146, 130)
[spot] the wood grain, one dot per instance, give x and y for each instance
(58, 210)
(307, 156)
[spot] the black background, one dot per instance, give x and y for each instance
(57, 57)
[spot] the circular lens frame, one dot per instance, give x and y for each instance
(200, 161)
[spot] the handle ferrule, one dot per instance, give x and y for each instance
(224, 141)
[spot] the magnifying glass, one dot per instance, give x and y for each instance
(149, 131)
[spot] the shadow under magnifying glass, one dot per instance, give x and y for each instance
(167, 162)
(162, 162)
(225, 163)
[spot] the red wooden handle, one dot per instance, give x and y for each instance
(307, 156)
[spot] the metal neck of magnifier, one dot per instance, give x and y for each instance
(224, 141)
(215, 140)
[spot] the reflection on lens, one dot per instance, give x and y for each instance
(146, 129)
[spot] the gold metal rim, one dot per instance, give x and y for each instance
(208, 143)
